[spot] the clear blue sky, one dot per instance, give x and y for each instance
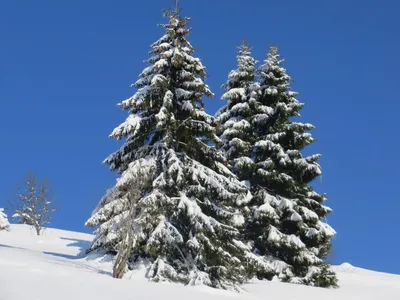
(64, 65)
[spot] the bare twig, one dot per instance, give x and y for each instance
(32, 204)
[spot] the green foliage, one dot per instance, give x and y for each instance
(263, 144)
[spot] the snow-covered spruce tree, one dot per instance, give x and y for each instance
(4, 224)
(288, 214)
(174, 193)
(238, 142)
(236, 132)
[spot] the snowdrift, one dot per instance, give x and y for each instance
(52, 266)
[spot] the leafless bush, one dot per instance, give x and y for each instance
(32, 204)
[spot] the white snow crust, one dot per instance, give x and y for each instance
(53, 266)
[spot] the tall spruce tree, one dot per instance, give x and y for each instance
(238, 140)
(174, 192)
(288, 214)
(237, 135)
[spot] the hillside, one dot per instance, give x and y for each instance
(51, 267)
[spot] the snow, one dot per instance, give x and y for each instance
(131, 125)
(51, 267)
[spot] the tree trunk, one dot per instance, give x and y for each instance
(123, 255)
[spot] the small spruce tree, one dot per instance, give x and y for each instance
(174, 203)
(4, 224)
(288, 214)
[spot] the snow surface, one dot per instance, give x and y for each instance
(52, 266)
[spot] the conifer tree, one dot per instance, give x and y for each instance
(173, 193)
(238, 140)
(237, 135)
(288, 214)
(4, 224)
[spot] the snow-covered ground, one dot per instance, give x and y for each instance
(51, 267)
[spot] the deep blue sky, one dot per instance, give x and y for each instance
(64, 65)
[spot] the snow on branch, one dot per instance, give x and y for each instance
(33, 204)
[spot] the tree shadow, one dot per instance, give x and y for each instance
(71, 258)
(11, 247)
(67, 256)
(81, 244)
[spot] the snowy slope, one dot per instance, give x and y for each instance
(50, 267)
